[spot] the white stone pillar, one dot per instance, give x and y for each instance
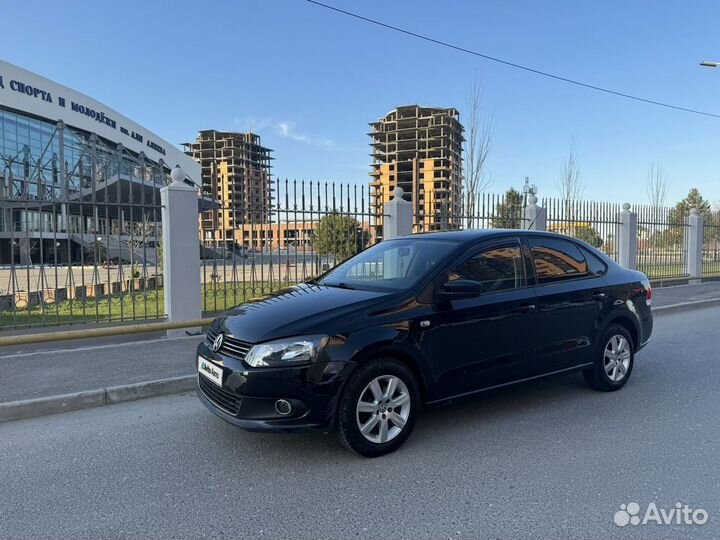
(181, 252)
(694, 243)
(535, 216)
(626, 238)
(398, 216)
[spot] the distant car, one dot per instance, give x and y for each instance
(421, 320)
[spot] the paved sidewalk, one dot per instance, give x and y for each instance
(678, 294)
(51, 372)
(51, 369)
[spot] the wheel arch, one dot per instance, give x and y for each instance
(628, 324)
(400, 355)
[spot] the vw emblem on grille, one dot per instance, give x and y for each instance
(217, 342)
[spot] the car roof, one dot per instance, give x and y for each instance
(471, 235)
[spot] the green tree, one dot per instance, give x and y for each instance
(339, 235)
(508, 211)
(589, 235)
(678, 214)
(681, 210)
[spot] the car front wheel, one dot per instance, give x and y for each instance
(378, 408)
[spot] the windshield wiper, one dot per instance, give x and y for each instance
(340, 285)
(345, 286)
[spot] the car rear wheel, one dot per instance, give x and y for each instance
(378, 408)
(613, 360)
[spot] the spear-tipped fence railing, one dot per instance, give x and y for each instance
(711, 243)
(274, 238)
(594, 222)
(80, 237)
(79, 228)
(662, 251)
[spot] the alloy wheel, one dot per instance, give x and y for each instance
(617, 358)
(383, 409)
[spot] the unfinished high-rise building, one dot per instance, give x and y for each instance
(236, 172)
(420, 150)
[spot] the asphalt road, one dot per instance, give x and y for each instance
(543, 460)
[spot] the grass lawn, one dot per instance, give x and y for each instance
(675, 270)
(223, 296)
(665, 270)
(148, 305)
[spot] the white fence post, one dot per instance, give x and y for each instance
(535, 216)
(694, 243)
(626, 238)
(181, 252)
(398, 217)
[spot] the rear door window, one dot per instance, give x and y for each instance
(556, 259)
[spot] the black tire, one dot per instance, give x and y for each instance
(357, 387)
(597, 376)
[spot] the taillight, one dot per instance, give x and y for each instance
(648, 292)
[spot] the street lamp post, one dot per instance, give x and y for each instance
(98, 246)
(528, 189)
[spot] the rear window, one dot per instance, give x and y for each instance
(557, 260)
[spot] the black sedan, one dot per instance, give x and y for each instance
(422, 320)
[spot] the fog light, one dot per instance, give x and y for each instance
(283, 407)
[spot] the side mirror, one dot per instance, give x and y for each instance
(460, 288)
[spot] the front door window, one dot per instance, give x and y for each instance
(496, 268)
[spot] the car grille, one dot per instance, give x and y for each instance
(227, 401)
(231, 346)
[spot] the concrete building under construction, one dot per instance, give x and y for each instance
(420, 150)
(236, 171)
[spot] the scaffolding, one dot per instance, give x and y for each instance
(236, 171)
(420, 150)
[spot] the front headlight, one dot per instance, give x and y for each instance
(289, 351)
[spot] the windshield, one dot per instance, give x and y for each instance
(393, 265)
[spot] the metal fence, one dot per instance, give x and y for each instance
(662, 250)
(662, 231)
(486, 211)
(79, 228)
(80, 232)
(592, 221)
(256, 246)
(711, 243)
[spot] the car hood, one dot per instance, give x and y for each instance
(297, 310)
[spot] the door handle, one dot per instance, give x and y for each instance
(599, 296)
(527, 308)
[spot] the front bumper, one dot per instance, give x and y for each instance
(248, 395)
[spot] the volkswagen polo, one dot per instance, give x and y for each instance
(423, 320)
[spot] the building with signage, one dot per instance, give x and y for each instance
(420, 150)
(235, 172)
(74, 173)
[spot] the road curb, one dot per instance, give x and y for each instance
(30, 408)
(685, 306)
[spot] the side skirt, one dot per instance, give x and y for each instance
(579, 367)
